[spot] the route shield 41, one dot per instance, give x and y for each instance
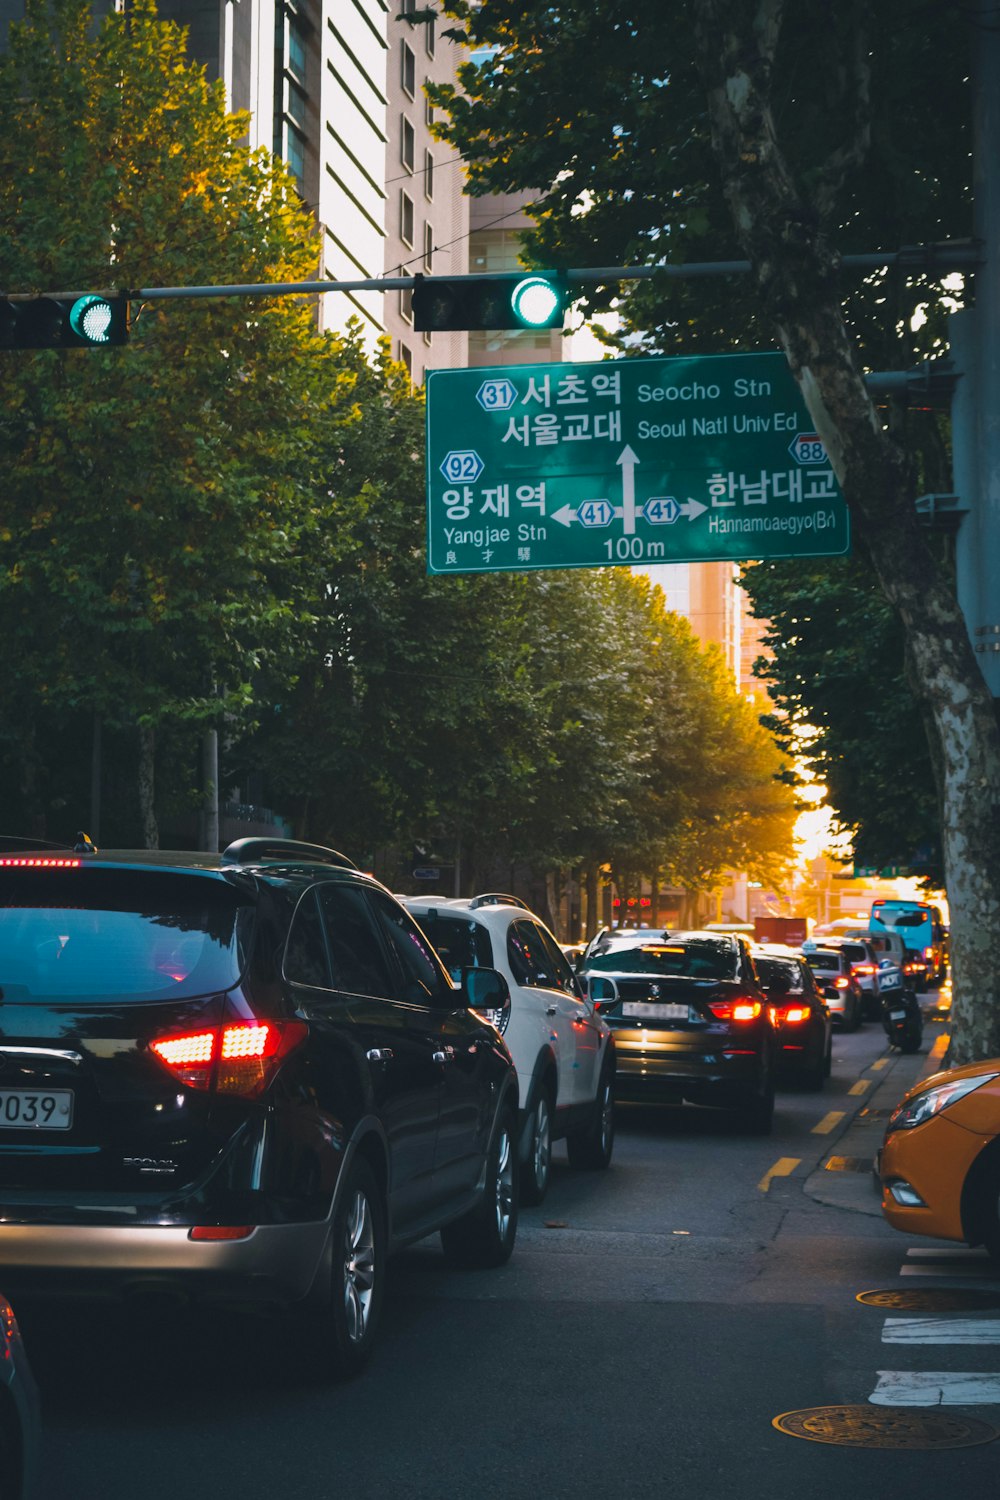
(630, 461)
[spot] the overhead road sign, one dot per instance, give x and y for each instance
(630, 461)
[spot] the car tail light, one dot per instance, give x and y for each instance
(221, 1231)
(928, 952)
(239, 1059)
(740, 1009)
(864, 968)
(795, 1014)
(842, 983)
(37, 862)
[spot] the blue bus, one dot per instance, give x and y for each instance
(920, 926)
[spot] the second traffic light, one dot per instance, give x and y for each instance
(523, 300)
(89, 322)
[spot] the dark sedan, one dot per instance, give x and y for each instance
(800, 1014)
(689, 1017)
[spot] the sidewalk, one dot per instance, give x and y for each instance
(844, 1177)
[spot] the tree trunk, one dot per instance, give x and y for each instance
(146, 773)
(796, 272)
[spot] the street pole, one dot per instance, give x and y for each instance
(975, 334)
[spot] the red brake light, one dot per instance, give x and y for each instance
(221, 1231)
(736, 1010)
(864, 968)
(841, 983)
(243, 1057)
(35, 861)
(796, 1013)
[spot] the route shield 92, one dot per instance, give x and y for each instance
(631, 461)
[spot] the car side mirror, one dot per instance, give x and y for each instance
(485, 989)
(602, 993)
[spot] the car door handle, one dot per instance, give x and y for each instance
(445, 1055)
(380, 1054)
(552, 1010)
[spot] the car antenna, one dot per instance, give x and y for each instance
(84, 844)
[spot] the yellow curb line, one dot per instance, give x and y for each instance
(829, 1122)
(784, 1167)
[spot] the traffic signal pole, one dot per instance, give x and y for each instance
(975, 340)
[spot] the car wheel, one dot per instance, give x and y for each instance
(591, 1148)
(536, 1170)
(855, 1020)
(341, 1326)
(756, 1106)
(814, 1077)
(485, 1236)
(989, 1211)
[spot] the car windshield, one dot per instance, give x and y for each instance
(826, 962)
(461, 942)
(691, 958)
(120, 934)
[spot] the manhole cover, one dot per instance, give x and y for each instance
(933, 1299)
(884, 1427)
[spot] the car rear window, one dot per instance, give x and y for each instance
(695, 958)
(827, 963)
(461, 942)
(769, 969)
(122, 934)
(856, 952)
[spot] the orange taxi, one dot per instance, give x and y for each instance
(939, 1166)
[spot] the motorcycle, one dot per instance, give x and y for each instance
(902, 1018)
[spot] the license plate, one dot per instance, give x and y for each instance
(655, 1010)
(897, 1015)
(48, 1109)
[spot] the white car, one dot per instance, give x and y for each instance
(563, 1052)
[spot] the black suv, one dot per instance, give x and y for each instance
(247, 1076)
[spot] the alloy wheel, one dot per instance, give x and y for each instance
(359, 1267)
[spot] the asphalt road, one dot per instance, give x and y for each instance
(652, 1323)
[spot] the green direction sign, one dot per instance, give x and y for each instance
(624, 462)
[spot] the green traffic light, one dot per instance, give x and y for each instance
(91, 319)
(537, 302)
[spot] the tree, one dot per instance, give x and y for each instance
(834, 648)
(663, 114)
(158, 509)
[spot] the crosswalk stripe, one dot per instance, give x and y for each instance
(935, 1388)
(947, 1252)
(955, 1268)
(941, 1331)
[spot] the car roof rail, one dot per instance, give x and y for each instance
(253, 850)
(497, 898)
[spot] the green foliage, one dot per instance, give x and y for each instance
(604, 103)
(160, 519)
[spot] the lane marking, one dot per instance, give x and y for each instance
(783, 1167)
(829, 1122)
(861, 1087)
(941, 1331)
(879, 1064)
(940, 1046)
(935, 1388)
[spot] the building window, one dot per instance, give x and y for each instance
(406, 218)
(428, 247)
(429, 37)
(295, 102)
(428, 175)
(407, 144)
(409, 71)
(295, 152)
(428, 112)
(406, 358)
(296, 48)
(406, 304)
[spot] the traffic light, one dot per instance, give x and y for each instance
(524, 300)
(89, 322)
